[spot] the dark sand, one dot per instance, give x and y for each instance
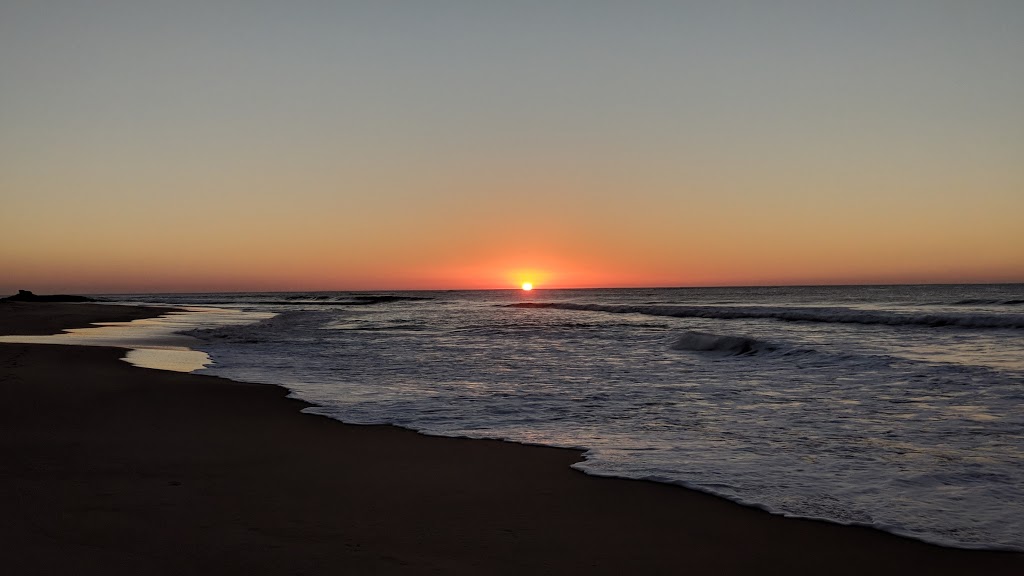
(106, 468)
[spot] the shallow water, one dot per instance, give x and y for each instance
(152, 342)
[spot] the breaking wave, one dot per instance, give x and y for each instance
(270, 330)
(794, 314)
(358, 300)
(325, 300)
(724, 345)
(987, 302)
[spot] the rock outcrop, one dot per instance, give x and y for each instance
(28, 296)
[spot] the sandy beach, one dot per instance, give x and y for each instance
(113, 469)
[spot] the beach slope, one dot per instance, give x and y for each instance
(113, 469)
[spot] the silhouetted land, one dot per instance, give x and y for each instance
(28, 296)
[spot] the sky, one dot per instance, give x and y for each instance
(214, 145)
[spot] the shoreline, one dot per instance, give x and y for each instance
(47, 318)
(120, 468)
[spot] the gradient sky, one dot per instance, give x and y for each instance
(195, 145)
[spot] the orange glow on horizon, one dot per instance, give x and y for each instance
(527, 286)
(185, 267)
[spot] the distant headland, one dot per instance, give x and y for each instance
(28, 296)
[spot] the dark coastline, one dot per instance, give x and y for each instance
(113, 469)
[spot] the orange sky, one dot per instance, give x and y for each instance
(205, 146)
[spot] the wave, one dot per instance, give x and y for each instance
(987, 302)
(360, 300)
(315, 300)
(825, 315)
(273, 329)
(725, 345)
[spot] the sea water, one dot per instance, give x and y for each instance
(899, 407)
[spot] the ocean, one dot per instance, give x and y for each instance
(897, 407)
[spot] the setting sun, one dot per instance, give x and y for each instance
(527, 286)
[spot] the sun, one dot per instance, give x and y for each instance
(527, 286)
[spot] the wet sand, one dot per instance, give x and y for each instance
(113, 469)
(38, 318)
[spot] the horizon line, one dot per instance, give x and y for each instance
(559, 288)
